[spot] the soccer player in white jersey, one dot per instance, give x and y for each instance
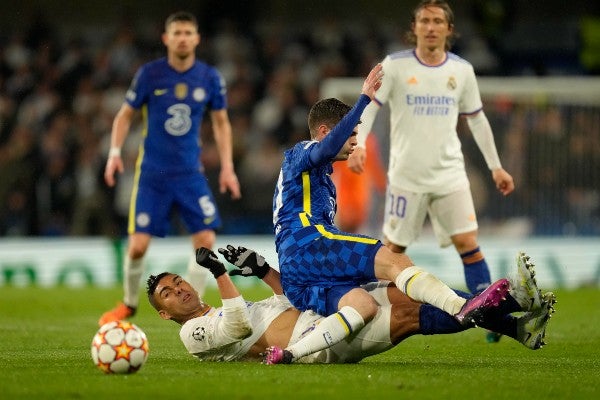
(242, 330)
(427, 89)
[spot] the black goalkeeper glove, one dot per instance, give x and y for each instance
(249, 262)
(208, 259)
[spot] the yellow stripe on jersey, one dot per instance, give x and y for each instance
(350, 238)
(304, 219)
(306, 199)
(304, 216)
(136, 178)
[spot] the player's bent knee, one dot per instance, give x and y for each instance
(361, 301)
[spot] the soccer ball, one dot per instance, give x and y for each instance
(119, 347)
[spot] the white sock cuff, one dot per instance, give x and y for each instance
(134, 269)
(134, 265)
(351, 318)
(404, 277)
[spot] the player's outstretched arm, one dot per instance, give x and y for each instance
(208, 259)
(250, 263)
(373, 81)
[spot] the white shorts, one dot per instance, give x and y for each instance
(373, 339)
(405, 213)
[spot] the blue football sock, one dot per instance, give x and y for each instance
(433, 321)
(477, 272)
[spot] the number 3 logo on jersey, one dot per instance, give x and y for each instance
(180, 122)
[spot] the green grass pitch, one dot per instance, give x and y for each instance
(45, 337)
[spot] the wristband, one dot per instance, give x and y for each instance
(114, 152)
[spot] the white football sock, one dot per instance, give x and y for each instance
(133, 270)
(196, 275)
(328, 332)
(422, 286)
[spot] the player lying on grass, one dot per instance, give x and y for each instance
(242, 330)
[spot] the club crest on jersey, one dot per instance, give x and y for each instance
(199, 94)
(181, 91)
(451, 83)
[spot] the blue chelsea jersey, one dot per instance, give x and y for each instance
(173, 104)
(305, 195)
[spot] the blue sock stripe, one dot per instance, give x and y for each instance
(408, 282)
(344, 321)
(469, 253)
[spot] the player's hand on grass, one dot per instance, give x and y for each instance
(248, 262)
(208, 259)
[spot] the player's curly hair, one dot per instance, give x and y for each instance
(327, 111)
(410, 36)
(151, 285)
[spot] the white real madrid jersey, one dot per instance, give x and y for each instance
(425, 102)
(219, 334)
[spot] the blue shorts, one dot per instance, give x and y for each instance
(320, 264)
(155, 198)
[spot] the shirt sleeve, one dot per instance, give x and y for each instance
(482, 133)
(136, 93)
(381, 97)
(218, 329)
(367, 119)
(219, 91)
(470, 101)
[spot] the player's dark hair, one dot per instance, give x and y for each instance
(410, 36)
(327, 111)
(151, 285)
(181, 16)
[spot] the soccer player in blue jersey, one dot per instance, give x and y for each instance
(321, 267)
(173, 94)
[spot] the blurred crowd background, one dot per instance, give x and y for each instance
(65, 67)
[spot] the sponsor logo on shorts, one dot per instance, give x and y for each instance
(143, 220)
